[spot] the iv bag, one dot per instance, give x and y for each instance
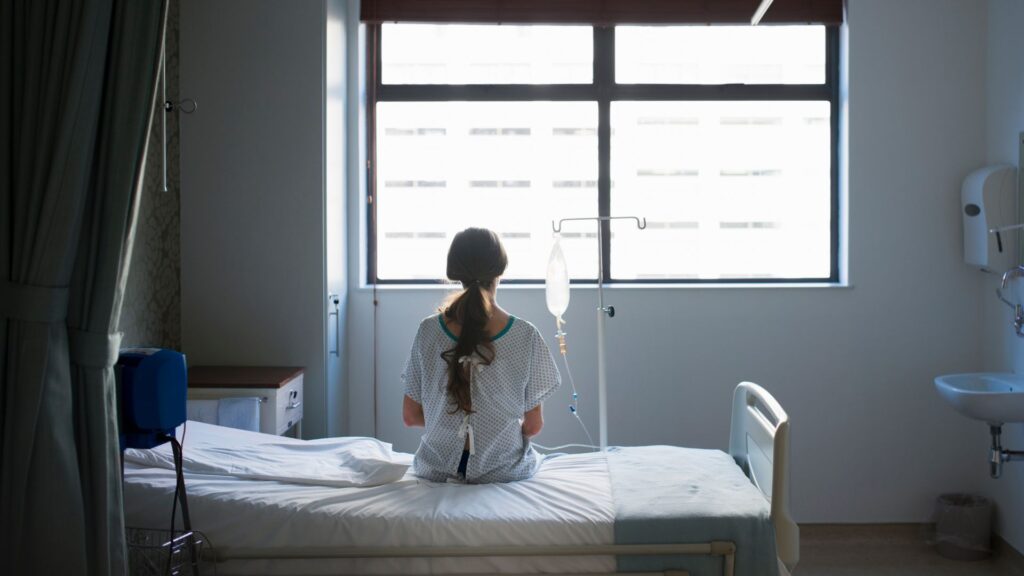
(556, 286)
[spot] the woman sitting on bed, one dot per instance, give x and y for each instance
(477, 376)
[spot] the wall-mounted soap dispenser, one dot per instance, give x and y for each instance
(989, 200)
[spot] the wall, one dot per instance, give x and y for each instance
(871, 440)
(253, 190)
(1003, 350)
(151, 315)
(335, 200)
(853, 366)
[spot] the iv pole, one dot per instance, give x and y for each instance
(602, 312)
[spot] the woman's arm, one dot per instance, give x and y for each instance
(412, 412)
(533, 421)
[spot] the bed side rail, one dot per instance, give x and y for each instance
(724, 549)
(759, 441)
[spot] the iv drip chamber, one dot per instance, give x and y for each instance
(556, 285)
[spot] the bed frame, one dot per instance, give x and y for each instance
(758, 440)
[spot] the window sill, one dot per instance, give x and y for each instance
(427, 287)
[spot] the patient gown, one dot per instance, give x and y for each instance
(521, 376)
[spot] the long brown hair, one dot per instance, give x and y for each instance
(476, 258)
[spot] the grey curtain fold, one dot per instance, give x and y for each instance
(101, 268)
(77, 82)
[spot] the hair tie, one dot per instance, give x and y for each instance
(474, 283)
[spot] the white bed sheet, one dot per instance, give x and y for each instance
(567, 503)
(338, 462)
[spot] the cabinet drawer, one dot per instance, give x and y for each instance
(268, 402)
(288, 406)
(278, 388)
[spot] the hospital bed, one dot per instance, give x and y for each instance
(594, 513)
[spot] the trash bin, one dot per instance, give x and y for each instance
(963, 526)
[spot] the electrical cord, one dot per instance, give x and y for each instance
(174, 504)
(371, 186)
(177, 451)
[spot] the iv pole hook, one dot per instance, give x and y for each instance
(641, 223)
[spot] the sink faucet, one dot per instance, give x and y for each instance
(1018, 310)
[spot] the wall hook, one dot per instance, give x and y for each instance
(187, 105)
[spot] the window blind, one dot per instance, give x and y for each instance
(601, 12)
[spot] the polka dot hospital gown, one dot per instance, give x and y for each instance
(521, 376)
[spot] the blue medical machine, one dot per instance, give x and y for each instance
(153, 388)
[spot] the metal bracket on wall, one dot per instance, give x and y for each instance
(335, 300)
(187, 106)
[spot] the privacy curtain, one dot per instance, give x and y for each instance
(77, 88)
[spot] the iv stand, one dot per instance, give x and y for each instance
(602, 312)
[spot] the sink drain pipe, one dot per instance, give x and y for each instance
(998, 455)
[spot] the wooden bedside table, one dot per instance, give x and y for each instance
(281, 387)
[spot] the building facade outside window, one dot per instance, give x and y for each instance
(723, 137)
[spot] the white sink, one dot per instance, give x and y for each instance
(990, 396)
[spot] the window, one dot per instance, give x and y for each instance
(722, 137)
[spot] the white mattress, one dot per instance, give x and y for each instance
(567, 503)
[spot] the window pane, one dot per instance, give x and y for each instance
(486, 54)
(730, 190)
(512, 167)
(720, 54)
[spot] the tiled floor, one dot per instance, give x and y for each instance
(888, 550)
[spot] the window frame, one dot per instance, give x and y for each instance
(604, 90)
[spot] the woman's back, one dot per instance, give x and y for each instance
(520, 375)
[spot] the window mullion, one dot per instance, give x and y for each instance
(373, 66)
(604, 80)
(832, 79)
(721, 92)
(484, 92)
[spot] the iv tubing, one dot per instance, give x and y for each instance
(572, 382)
(563, 446)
